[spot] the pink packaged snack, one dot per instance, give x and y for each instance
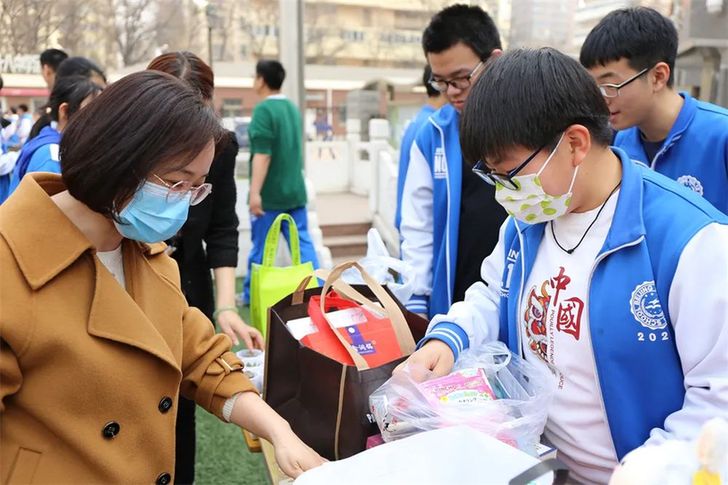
(464, 386)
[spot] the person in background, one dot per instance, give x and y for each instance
(608, 275)
(276, 169)
(73, 66)
(50, 59)
(97, 341)
(22, 128)
(81, 66)
(631, 54)
(7, 158)
(41, 153)
(435, 100)
(449, 219)
(214, 222)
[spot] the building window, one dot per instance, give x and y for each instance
(232, 107)
(352, 35)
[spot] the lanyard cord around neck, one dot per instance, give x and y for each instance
(571, 251)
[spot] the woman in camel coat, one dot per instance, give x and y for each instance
(97, 340)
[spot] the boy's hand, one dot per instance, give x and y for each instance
(294, 456)
(435, 356)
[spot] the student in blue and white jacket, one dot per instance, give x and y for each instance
(449, 222)
(608, 274)
(631, 53)
(435, 101)
(41, 153)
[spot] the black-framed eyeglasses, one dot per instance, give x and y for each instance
(505, 179)
(462, 82)
(610, 90)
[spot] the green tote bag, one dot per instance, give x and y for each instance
(268, 283)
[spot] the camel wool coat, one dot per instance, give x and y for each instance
(91, 373)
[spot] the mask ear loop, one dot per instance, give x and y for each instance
(553, 152)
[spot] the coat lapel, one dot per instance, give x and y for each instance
(115, 315)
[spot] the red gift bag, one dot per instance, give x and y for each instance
(369, 334)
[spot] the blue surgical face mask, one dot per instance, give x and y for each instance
(153, 215)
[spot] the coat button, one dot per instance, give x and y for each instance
(165, 404)
(164, 479)
(111, 429)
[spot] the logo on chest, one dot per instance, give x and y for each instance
(645, 306)
(692, 183)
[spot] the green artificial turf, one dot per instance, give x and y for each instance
(222, 455)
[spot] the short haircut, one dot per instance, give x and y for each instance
(271, 72)
(143, 123)
(23, 107)
(641, 35)
(461, 23)
(79, 66)
(426, 77)
(52, 58)
(189, 68)
(526, 98)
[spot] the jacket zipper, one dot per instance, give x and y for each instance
(599, 259)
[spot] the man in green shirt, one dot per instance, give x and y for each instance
(276, 165)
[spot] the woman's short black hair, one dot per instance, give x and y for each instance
(79, 66)
(461, 23)
(271, 72)
(641, 35)
(526, 98)
(140, 124)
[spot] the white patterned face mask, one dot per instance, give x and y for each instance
(529, 202)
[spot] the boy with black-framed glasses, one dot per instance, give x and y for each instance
(607, 274)
(631, 54)
(449, 219)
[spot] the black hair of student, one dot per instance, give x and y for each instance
(462, 23)
(426, 76)
(23, 107)
(79, 66)
(271, 72)
(535, 94)
(52, 58)
(72, 90)
(641, 35)
(147, 122)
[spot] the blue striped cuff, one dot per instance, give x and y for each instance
(450, 333)
(418, 304)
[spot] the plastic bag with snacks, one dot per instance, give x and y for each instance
(491, 390)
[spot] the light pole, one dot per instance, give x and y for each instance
(210, 14)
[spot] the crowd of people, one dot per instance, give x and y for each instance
(575, 210)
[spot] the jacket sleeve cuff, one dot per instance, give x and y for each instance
(223, 379)
(418, 304)
(449, 333)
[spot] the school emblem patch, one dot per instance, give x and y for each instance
(692, 183)
(645, 306)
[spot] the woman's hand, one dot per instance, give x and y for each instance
(233, 326)
(294, 456)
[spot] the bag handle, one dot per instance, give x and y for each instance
(399, 324)
(297, 297)
(274, 236)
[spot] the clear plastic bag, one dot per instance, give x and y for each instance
(380, 265)
(491, 390)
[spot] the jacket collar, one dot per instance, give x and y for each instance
(33, 225)
(446, 116)
(45, 242)
(628, 223)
